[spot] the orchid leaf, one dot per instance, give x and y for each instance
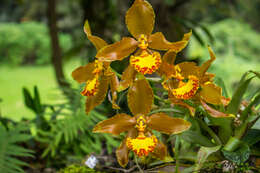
(204, 153)
(233, 107)
(240, 155)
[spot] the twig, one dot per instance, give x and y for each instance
(121, 169)
(138, 166)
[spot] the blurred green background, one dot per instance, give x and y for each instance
(231, 27)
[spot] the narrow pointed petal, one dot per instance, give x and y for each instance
(188, 68)
(140, 97)
(158, 41)
(160, 150)
(84, 73)
(122, 152)
(115, 125)
(207, 64)
(127, 79)
(169, 57)
(213, 112)
(114, 84)
(211, 93)
(140, 18)
(207, 77)
(99, 97)
(165, 124)
(167, 67)
(118, 50)
(95, 40)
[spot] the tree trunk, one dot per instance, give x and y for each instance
(56, 57)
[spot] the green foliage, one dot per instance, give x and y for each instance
(28, 42)
(77, 169)
(10, 150)
(236, 47)
(240, 155)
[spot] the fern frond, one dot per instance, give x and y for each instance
(10, 150)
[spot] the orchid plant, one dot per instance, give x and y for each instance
(188, 85)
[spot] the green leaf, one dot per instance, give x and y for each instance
(28, 100)
(238, 156)
(196, 138)
(219, 81)
(225, 127)
(248, 109)
(204, 153)
(37, 101)
(252, 137)
(234, 104)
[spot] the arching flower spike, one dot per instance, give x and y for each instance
(97, 76)
(140, 23)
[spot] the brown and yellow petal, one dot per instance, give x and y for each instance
(118, 50)
(140, 97)
(114, 84)
(165, 124)
(207, 77)
(122, 152)
(158, 41)
(99, 97)
(140, 18)
(146, 63)
(187, 89)
(96, 41)
(187, 68)
(213, 112)
(167, 68)
(207, 64)
(127, 79)
(115, 125)
(211, 93)
(160, 151)
(84, 73)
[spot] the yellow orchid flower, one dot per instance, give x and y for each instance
(97, 76)
(189, 81)
(140, 23)
(139, 137)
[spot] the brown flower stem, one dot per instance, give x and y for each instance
(161, 99)
(210, 131)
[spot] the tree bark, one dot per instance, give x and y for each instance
(56, 57)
